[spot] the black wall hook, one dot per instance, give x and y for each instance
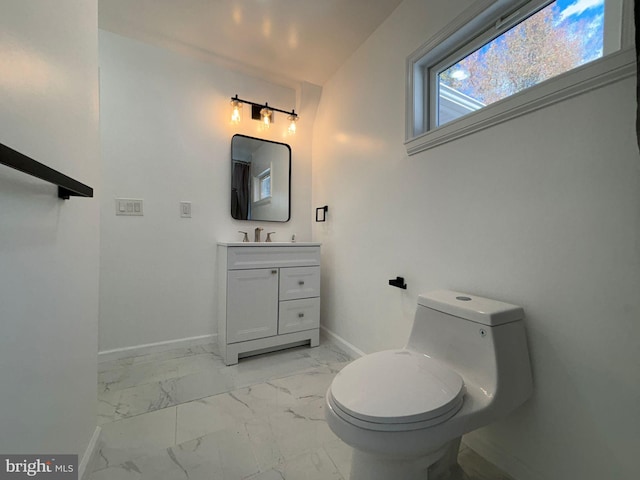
(398, 282)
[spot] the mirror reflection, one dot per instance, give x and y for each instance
(260, 179)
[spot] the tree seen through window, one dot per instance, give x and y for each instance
(560, 37)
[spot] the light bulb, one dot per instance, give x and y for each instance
(292, 124)
(236, 114)
(266, 117)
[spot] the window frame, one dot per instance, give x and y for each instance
(479, 23)
(258, 199)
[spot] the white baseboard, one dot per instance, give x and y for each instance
(86, 464)
(352, 350)
(494, 454)
(136, 350)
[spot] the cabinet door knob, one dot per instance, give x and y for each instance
(274, 271)
(301, 282)
(300, 315)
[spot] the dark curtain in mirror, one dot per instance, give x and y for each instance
(240, 190)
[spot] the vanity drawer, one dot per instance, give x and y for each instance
(299, 315)
(299, 282)
(240, 258)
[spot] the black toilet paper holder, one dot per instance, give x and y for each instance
(398, 282)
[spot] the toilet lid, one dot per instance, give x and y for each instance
(397, 386)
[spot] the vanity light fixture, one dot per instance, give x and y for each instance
(264, 113)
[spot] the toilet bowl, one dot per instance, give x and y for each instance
(404, 411)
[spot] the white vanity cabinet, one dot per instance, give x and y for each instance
(269, 297)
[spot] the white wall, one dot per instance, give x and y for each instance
(166, 137)
(542, 211)
(48, 247)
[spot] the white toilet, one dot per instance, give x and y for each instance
(404, 411)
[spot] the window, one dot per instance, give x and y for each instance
(265, 185)
(262, 187)
(504, 58)
(544, 44)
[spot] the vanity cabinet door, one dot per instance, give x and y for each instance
(252, 304)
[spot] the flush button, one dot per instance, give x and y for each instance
(464, 299)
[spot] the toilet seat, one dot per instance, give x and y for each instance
(396, 390)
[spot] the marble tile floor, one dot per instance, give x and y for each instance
(183, 414)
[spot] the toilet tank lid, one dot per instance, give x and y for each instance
(471, 307)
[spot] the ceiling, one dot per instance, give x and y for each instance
(299, 40)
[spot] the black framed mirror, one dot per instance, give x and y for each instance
(260, 179)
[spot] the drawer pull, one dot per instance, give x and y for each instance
(301, 282)
(300, 315)
(274, 271)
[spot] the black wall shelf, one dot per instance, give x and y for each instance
(67, 186)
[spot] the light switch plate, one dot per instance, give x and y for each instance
(129, 207)
(185, 209)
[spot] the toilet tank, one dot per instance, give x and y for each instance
(482, 339)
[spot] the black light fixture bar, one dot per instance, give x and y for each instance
(266, 105)
(67, 186)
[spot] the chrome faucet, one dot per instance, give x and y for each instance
(257, 235)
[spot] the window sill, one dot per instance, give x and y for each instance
(262, 202)
(609, 69)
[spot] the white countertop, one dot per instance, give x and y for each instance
(269, 244)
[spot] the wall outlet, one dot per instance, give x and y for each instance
(185, 209)
(129, 206)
